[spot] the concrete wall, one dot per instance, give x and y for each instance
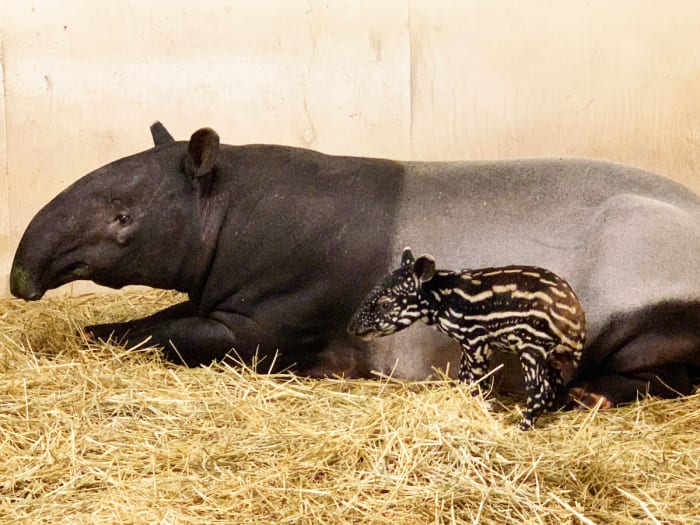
(413, 79)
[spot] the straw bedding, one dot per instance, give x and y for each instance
(92, 433)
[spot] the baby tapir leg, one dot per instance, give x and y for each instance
(543, 385)
(474, 363)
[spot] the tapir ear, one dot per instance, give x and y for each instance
(160, 134)
(424, 268)
(407, 258)
(202, 152)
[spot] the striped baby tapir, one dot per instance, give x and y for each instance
(523, 309)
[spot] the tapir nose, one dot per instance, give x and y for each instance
(353, 326)
(23, 286)
(34, 296)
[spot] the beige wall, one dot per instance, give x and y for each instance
(423, 79)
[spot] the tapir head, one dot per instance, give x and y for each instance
(134, 221)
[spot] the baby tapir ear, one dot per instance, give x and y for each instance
(160, 134)
(407, 258)
(424, 268)
(202, 152)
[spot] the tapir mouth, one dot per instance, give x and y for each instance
(25, 286)
(73, 272)
(366, 334)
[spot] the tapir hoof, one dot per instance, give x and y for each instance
(99, 332)
(526, 425)
(582, 398)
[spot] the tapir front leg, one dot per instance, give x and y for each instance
(195, 341)
(119, 331)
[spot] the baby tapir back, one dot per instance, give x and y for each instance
(523, 309)
(512, 302)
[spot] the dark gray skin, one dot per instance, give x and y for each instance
(239, 229)
(276, 247)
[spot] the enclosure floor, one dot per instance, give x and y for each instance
(93, 433)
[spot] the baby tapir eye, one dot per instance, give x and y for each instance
(123, 219)
(384, 304)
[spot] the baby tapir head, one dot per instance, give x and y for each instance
(394, 304)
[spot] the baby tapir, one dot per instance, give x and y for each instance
(522, 309)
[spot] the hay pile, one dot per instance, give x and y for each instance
(90, 433)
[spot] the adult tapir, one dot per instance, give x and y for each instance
(276, 246)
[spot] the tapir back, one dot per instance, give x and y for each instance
(622, 237)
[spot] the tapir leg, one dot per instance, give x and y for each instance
(654, 351)
(615, 389)
(191, 341)
(197, 341)
(119, 331)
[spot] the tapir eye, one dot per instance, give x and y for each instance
(123, 219)
(384, 304)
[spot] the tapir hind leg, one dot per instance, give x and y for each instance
(653, 350)
(615, 388)
(648, 351)
(643, 271)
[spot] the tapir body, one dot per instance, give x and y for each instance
(276, 247)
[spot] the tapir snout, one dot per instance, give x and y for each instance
(22, 286)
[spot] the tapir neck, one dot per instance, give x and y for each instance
(433, 295)
(212, 213)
